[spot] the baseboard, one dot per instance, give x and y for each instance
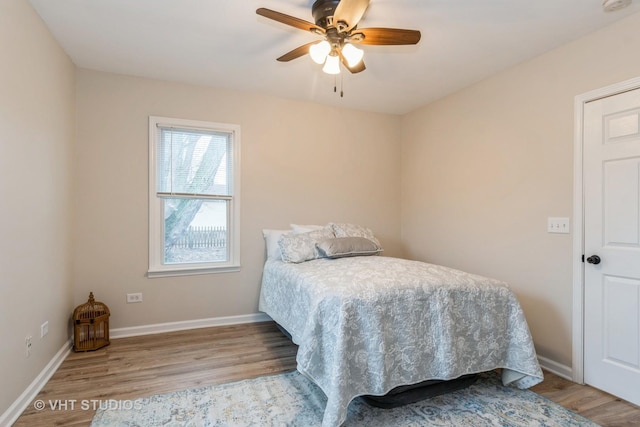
(554, 367)
(17, 408)
(159, 328)
(546, 363)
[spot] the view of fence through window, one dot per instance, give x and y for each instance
(204, 239)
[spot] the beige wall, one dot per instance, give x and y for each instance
(301, 163)
(37, 125)
(483, 169)
(471, 178)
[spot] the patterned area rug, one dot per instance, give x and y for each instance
(292, 400)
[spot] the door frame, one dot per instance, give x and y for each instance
(577, 369)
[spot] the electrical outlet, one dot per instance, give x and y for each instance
(27, 343)
(133, 298)
(44, 329)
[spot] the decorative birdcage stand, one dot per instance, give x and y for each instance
(91, 325)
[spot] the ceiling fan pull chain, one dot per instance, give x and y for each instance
(341, 92)
(335, 83)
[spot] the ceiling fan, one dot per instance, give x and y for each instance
(336, 21)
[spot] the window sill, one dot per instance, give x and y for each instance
(151, 274)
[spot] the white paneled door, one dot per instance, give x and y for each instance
(612, 244)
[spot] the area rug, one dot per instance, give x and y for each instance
(292, 400)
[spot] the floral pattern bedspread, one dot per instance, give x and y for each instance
(365, 325)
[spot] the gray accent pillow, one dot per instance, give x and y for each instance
(339, 247)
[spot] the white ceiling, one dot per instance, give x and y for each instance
(223, 43)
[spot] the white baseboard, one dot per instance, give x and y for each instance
(554, 367)
(17, 408)
(187, 324)
(546, 363)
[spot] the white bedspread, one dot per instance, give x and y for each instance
(365, 325)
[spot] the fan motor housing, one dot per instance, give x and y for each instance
(322, 11)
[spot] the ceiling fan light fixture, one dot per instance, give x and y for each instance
(319, 51)
(352, 54)
(332, 65)
(613, 5)
(338, 23)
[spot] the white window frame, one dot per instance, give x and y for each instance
(157, 268)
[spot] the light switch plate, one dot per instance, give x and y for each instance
(558, 225)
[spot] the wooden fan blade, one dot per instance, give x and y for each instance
(359, 67)
(387, 36)
(290, 20)
(349, 12)
(297, 52)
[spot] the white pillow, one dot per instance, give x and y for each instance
(297, 228)
(302, 247)
(271, 238)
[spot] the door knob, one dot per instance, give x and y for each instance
(594, 259)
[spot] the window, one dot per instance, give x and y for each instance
(194, 197)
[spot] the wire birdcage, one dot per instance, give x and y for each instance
(91, 325)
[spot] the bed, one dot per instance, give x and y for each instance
(368, 324)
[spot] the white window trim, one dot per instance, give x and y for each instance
(156, 225)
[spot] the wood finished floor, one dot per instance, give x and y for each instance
(141, 366)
